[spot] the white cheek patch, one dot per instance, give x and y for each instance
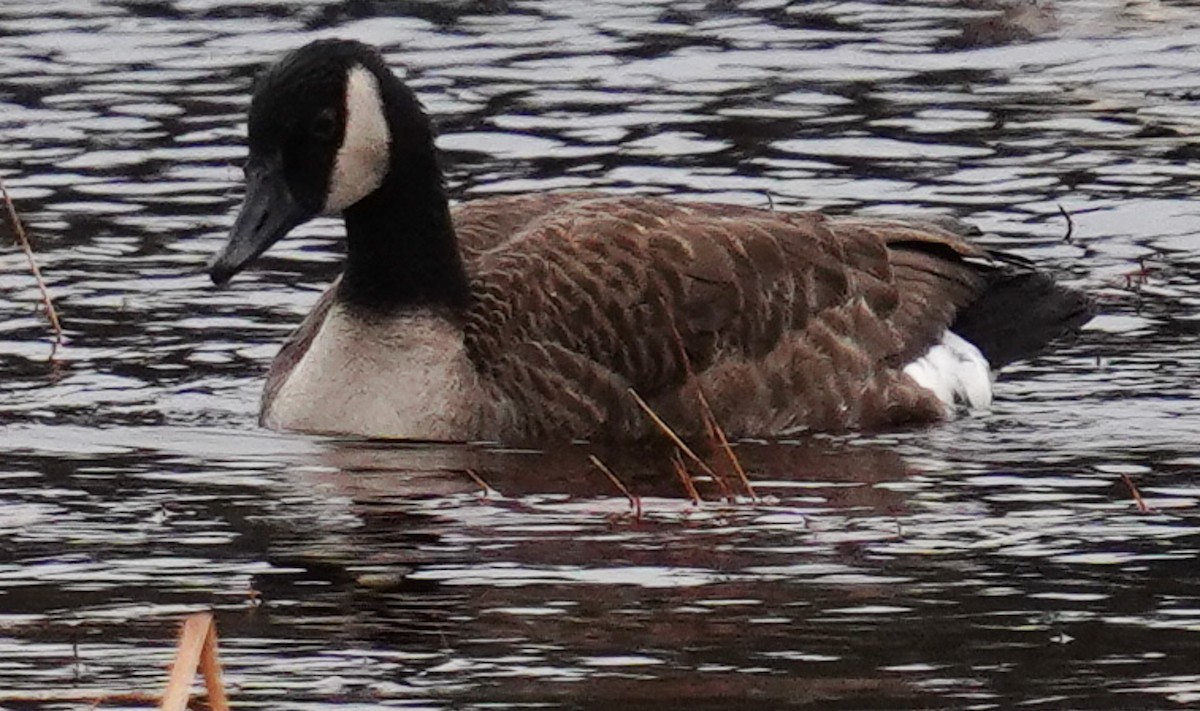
(955, 371)
(364, 157)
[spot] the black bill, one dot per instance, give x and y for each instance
(268, 213)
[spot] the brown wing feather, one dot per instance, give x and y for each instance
(935, 274)
(787, 320)
(483, 224)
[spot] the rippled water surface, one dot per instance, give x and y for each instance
(998, 561)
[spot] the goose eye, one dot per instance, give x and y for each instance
(323, 125)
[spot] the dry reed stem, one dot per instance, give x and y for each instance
(487, 489)
(718, 478)
(681, 471)
(706, 417)
(670, 433)
(724, 442)
(210, 667)
(715, 431)
(197, 649)
(1142, 507)
(23, 240)
(635, 502)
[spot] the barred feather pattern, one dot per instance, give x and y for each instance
(787, 321)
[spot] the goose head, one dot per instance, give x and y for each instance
(328, 122)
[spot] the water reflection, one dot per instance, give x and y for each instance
(994, 561)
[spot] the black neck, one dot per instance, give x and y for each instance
(402, 250)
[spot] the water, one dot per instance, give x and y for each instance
(992, 562)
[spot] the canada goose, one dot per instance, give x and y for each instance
(532, 317)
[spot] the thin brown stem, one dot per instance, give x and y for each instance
(685, 478)
(713, 427)
(487, 490)
(635, 502)
(196, 651)
(1142, 507)
(23, 240)
(210, 668)
(671, 435)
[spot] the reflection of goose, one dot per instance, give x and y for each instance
(520, 318)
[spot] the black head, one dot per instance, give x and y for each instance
(322, 122)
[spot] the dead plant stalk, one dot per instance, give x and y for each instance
(23, 240)
(635, 502)
(715, 427)
(1142, 506)
(715, 431)
(488, 491)
(681, 471)
(671, 435)
(197, 651)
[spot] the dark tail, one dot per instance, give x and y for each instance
(1020, 311)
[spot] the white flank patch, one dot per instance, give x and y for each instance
(406, 378)
(364, 157)
(955, 371)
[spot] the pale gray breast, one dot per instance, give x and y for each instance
(404, 376)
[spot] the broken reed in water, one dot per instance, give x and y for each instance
(717, 439)
(716, 433)
(197, 650)
(635, 503)
(684, 477)
(487, 490)
(23, 240)
(1141, 504)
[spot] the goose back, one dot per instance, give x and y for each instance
(787, 321)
